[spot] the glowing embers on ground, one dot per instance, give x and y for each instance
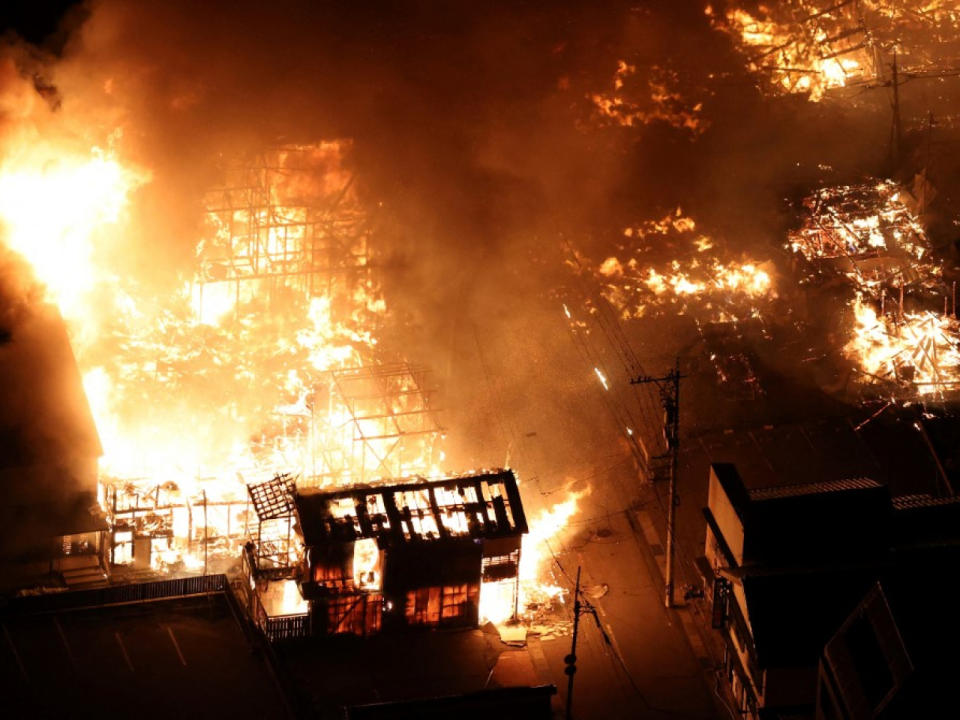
(918, 352)
(698, 279)
(648, 96)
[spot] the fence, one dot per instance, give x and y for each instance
(119, 594)
(276, 628)
(287, 627)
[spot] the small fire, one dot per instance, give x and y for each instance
(648, 97)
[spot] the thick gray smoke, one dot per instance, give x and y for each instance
(472, 126)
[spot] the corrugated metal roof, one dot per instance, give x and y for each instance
(783, 491)
(907, 502)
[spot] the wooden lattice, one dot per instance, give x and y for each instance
(272, 499)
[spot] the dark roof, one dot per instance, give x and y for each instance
(44, 414)
(803, 522)
(187, 657)
(475, 506)
(911, 502)
(887, 449)
(920, 519)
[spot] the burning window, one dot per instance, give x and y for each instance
(122, 550)
(434, 605)
(354, 614)
(366, 564)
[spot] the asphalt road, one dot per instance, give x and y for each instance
(643, 664)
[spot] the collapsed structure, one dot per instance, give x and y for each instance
(371, 558)
(818, 46)
(285, 298)
(905, 336)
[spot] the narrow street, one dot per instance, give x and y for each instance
(649, 668)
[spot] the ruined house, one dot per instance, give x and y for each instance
(410, 554)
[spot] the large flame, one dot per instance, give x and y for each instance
(59, 208)
(215, 383)
(918, 350)
(497, 599)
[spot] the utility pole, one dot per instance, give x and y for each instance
(205, 530)
(580, 606)
(669, 387)
(896, 131)
(571, 659)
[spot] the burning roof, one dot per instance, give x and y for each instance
(479, 506)
(869, 231)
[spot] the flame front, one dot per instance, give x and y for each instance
(698, 279)
(497, 599)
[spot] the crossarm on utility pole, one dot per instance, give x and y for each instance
(669, 387)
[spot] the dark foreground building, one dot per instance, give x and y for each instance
(53, 527)
(785, 566)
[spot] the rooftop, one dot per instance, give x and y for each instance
(814, 488)
(187, 656)
(476, 506)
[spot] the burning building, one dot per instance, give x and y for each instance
(905, 336)
(367, 558)
(815, 47)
